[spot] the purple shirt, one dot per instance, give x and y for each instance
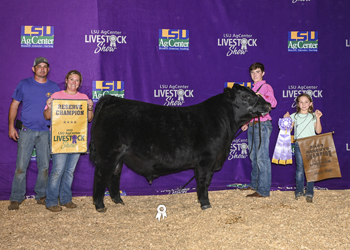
(33, 96)
(267, 92)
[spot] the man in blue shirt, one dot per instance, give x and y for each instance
(33, 132)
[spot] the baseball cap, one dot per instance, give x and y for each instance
(40, 60)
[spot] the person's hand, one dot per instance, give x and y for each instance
(259, 94)
(318, 113)
(13, 134)
(49, 102)
(90, 104)
(244, 127)
(286, 115)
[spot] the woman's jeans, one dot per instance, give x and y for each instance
(299, 175)
(60, 179)
(27, 140)
(261, 163)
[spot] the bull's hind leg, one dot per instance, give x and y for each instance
(108, 176)
(203, 178)
(113, 184)
(99, 189)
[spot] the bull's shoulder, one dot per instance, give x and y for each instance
(216, 103)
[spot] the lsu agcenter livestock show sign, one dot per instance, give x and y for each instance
(69, 128)
(179, 53)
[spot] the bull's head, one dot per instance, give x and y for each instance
(246, 99)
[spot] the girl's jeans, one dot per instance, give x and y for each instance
(299, 175)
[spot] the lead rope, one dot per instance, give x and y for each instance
(253, 137)
(259, 126)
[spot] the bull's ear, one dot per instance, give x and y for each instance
(228, 92)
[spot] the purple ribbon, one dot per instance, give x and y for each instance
(74, 139)
(283, 148)
(285, 123)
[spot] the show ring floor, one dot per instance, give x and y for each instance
(233, 222)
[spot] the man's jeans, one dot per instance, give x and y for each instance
(261, 163)
(299, 175)
(61, 178)
(27, 140)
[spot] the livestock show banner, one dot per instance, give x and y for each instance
(180, 53)
(69, 128)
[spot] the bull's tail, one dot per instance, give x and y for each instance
(93, 153)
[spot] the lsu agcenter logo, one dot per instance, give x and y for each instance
(230, 84)
(237, 43)
(172, 39)
(33, 157)
(37, 36)
(302, 41)
(101, 88)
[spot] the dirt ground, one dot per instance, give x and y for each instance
(233, 222)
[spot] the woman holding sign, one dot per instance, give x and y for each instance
(63, 164)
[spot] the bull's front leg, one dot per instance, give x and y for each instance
(203, 177)
(99, 189)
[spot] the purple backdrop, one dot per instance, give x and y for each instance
(119, 41)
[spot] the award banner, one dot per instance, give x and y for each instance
(69, 126)
(319, 157)
(283, 149)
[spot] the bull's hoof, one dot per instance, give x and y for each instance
(101, 210)
(205, 207)
(119, 201)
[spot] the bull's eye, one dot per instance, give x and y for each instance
(244, 96)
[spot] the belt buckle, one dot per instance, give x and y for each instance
(253, 123)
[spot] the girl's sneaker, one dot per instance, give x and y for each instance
(308, 199)
(298, 195)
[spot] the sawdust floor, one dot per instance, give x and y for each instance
(233, 222)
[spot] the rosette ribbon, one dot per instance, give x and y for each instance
(283, 148)
(161, 212)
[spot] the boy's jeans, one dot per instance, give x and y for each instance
(261, 163)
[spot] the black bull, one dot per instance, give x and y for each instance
(155, 140)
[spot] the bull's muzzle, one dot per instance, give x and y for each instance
(268, 108)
